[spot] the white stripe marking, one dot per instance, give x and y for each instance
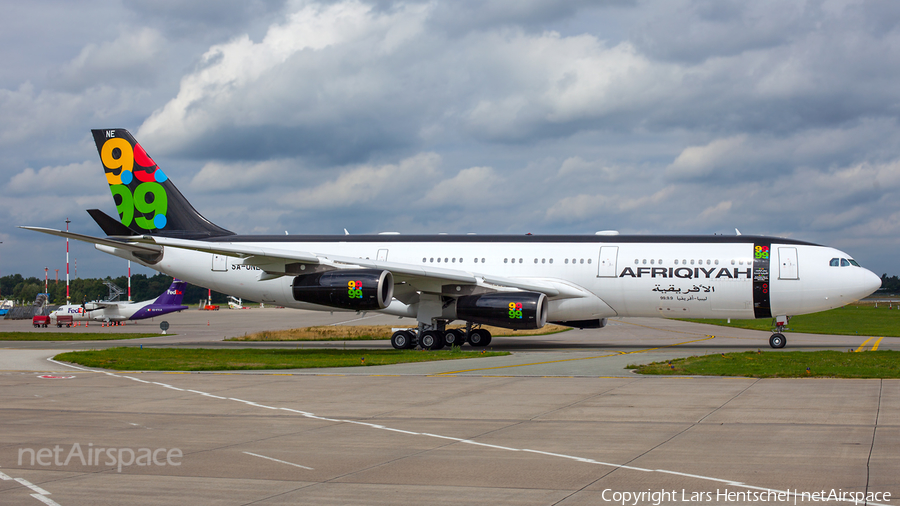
(296, 411)
(4, 477)
(729, 482)
(44, 499)
(467, 441)
(349, 321)
(32, 486)
(403, 431)
(281, 461)
(444, 437)
(167, 386)
(69, 365)
(135, 379)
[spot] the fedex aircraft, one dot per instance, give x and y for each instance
(168, 302)
(516, 282)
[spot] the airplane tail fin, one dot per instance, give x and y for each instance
(173, 295)
(146, 200)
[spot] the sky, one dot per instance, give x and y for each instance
(494, 116)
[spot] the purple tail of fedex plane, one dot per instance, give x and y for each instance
(172, 296)
(168, 302)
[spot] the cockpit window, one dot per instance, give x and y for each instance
(853, 262)
(835, 262)
(844, 262)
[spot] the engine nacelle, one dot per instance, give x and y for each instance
(511, 310)
(364, 289)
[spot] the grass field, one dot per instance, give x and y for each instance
(175, 359)
(68, 336)
(863, 320)
(794, 364)
(369, 332)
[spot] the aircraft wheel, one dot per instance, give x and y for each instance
(454, 337)
(402, 340)
(430, 340)
(479, 338)
(777, 341)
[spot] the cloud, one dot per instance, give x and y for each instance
(67, 178)
(699, 161)
(130, 60)
(370, 186)
(474, 186)
(242, 176)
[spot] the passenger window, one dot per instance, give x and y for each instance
(844, 262)
(834, 262)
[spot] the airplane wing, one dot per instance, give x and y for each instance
(274, 262)
(112, 242)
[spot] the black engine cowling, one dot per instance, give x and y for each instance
(511, 310)
(364, 289)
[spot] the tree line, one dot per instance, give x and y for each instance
(15, 287)
(889, 284)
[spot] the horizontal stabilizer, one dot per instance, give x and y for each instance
(110, 225)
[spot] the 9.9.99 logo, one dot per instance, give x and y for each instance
(135, 182)
(354, 289)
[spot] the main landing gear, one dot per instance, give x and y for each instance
(435, 339)
(777, 340)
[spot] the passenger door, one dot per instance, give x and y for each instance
(787, 263)
(606, 267)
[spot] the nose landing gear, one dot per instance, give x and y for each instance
(777, 340)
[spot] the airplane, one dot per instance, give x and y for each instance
(508, 281)
(103, 311)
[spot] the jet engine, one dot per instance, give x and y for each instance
(511, 310)
(364, 289)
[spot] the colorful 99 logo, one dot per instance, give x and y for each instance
(354, 289)
(515, 310)
(139, 195)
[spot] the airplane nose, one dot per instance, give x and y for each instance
(871, 282)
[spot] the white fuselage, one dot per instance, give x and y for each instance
(702, 279)
(117, 312)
